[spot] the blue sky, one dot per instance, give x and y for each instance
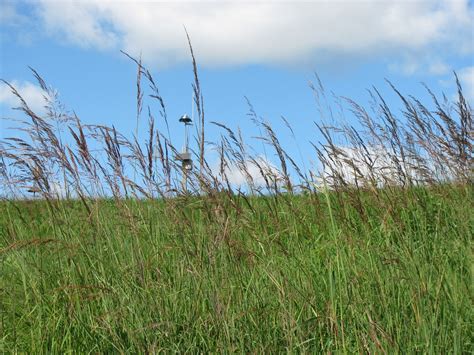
(266, 51)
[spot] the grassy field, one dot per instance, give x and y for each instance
(370, 251)
(331, 272)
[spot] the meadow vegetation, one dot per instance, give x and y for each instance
(366, 255)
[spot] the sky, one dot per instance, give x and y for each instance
(266, 51)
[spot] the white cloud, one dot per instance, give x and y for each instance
(426, 63)
(16, 27)
(466, 76)
(237, 177)
(31, 93)
(9, 14)
(353, 166)
(438, 68)
(82, 23)
(242, 32)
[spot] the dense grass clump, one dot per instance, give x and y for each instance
(299, 273)
(120, 250)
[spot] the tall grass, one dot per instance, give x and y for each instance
(372, 253)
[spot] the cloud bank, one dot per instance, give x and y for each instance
(31, 93)
(271, 32)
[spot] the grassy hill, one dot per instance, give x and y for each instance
(385, 271)
(372, 253)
